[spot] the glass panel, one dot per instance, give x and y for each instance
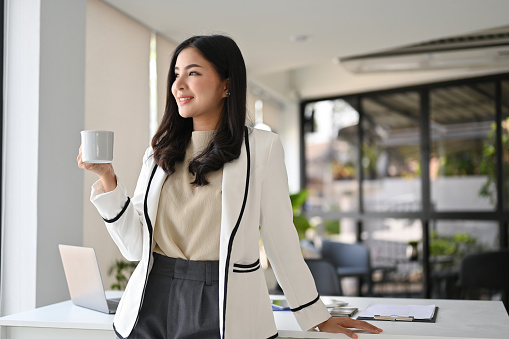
(396, 249)
(391, 152)
(450, 241)
(461, 163)
(343, 229)
(331, 153)
(505, 140)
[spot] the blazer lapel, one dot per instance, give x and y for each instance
(154, 192)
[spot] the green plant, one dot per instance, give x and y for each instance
(300, 221)
(122, 270)
(332, 227)
(455, 246)
(489, 162)
(369, 158)
(413, 243)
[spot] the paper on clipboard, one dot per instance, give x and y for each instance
(421, 312)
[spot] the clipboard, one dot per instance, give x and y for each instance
(400, 317)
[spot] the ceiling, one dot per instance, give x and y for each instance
(336, 28)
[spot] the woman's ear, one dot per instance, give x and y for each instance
(226, 92)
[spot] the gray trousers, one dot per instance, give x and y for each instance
(181, 301)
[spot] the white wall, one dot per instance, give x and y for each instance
(117, 99)
(327, 80)
(44, 99)
(164, 48)
(290, 137)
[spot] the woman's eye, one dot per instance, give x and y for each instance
(193, 73)
(177, 75)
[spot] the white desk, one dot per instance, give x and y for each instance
(61, 320)
(456, 319)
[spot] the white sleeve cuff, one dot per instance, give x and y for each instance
(108, 204)
(312, 316)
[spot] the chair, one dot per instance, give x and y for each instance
(350, 260)
(489, 270)
(324, 273)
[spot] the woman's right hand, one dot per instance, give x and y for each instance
(105, 172)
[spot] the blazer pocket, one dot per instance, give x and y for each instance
(246, 268)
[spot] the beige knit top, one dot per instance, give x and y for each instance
(189, 218)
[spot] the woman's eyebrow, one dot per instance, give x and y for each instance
(189, 66)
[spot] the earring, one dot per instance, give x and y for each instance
(228, 94)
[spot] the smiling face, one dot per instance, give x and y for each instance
(199, 91)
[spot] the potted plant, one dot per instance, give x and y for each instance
(122, 270)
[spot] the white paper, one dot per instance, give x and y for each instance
(417, 311)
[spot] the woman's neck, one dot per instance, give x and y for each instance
(206, 123)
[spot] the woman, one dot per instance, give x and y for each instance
(208, 188)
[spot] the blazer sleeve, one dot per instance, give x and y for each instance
(122, 215)
(282, 245)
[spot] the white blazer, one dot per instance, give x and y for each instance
(263, 209)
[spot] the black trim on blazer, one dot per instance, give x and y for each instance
(274, 336)
(145, 204)
(305, 305)
(257, 262)
(232, 236)
(120, 214)
(248, 270)
(118, 334)
(150, 230)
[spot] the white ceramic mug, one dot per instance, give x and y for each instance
(97, 146)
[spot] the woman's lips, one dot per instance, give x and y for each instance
(184, 100)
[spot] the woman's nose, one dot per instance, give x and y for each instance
(179, 83)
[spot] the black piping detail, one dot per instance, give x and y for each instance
(232, 236)
(247, 271)
(248, 265)
(120, 214)
(118, 334)
(145, 204)
(305, 305)
(150, 230)
(274, 336)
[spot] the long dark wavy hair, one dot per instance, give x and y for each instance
(174, 132)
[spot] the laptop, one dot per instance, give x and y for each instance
(84, 279)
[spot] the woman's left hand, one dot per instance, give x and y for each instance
(343, 325)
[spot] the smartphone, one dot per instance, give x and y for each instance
(343, 311)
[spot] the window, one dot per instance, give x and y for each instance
(450, 242)
(331, 156)
(405, 167)
(505, 144)
(391, 153)
(462, 162)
